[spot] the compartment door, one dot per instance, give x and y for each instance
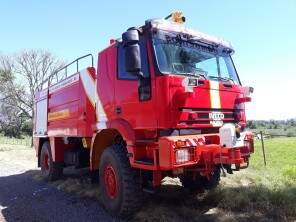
(41, 114)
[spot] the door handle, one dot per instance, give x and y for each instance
(227, 85)
(118, 109)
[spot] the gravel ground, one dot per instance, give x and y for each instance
(25, 199)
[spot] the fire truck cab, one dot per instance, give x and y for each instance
(164, 100)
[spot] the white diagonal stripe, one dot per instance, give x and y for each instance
(90, 88)
(102, 117)
(192, 142)
(215, 95)
(89, 85)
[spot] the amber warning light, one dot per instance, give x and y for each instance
(176, 17)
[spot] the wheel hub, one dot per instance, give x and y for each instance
(110, 181)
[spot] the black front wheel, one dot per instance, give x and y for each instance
(201, 182)
(120, 184)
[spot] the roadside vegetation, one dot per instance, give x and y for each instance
(21, 75)
(270, 190)
(23, 140)
(273, 128)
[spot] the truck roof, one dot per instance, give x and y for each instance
(167, 25)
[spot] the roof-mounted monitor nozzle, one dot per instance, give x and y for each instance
(176, 17)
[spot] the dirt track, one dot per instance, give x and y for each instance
(25, 199)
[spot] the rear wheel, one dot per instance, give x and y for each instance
(50, 170)
(202, 182)
(120, 184)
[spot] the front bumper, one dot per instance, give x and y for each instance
(203, 151)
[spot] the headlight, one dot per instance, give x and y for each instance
(182, 155)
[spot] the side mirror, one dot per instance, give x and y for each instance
(248, 90)
(131, 45)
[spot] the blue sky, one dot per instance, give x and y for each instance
(263, 34)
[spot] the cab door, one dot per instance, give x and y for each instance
(130, 104)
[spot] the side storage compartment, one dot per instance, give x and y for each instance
(71, 105)
(41, 105)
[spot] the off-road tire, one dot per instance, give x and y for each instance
(201, 182)
(214, 180)
(129, 192)
(191, 184)
(50, 170)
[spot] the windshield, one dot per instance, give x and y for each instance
(179, 56)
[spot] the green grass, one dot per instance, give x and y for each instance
(25, 140)
(272, 189)
(281, 162)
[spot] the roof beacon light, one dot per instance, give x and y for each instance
(176, 17)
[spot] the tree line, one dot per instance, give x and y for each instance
(271, 124)
(21, 76)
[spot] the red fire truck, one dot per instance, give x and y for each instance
(164, 100)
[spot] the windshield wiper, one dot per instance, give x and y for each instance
(225, 79)
(197, 73)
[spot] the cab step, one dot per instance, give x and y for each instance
(145, 161)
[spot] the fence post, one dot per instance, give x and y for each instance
(263, 148)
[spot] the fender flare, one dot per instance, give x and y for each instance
(105, 137)
(125, 130)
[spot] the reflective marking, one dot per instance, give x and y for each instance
(61, 114)
(198, 142)
(89, 85)
(215, 95)
(100, 112)
(193, 143)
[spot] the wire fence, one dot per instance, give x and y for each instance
(26, 141)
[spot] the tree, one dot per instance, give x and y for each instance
(251, 124)
(291, 122)
(13, 93)
(10, 121)
(22, 74)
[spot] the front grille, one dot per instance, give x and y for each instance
(207, 109)
(202, 115)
